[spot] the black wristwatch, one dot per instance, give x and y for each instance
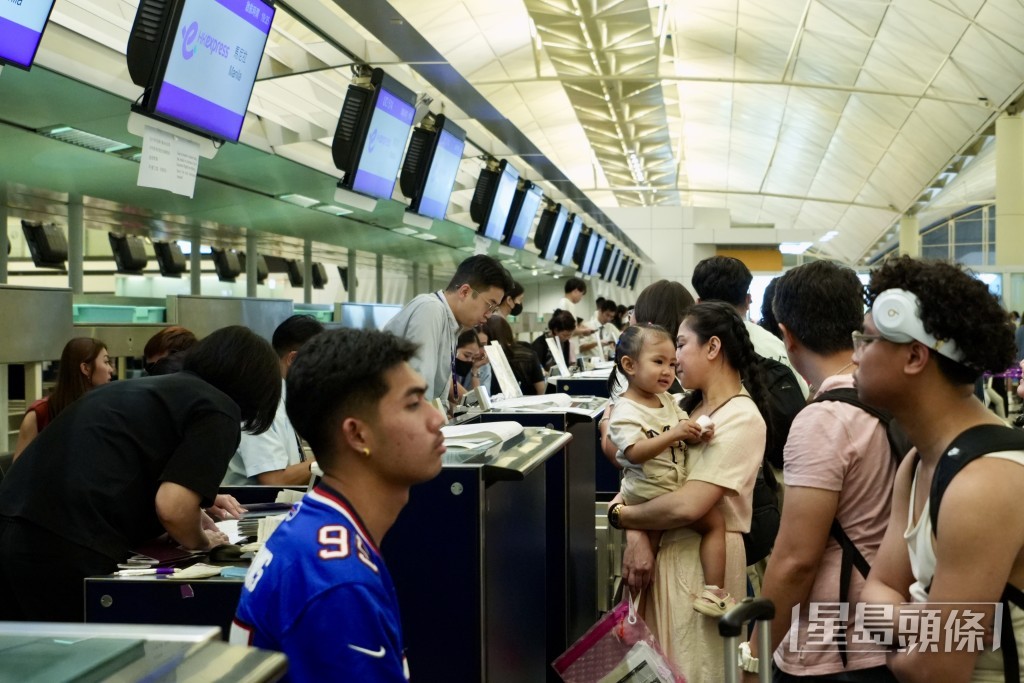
(613, 515)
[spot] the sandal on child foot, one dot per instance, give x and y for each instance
(712, 605)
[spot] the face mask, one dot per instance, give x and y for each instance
(516, 310)
(463, 367)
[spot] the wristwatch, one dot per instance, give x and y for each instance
(613, 515)
(746, 661)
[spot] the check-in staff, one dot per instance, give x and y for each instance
(122, 465)
(432, 321)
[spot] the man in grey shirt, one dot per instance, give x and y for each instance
(433, 320)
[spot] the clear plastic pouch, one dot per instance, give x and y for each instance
(619, 648)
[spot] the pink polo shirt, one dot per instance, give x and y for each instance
(838, 447)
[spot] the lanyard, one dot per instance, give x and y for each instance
(454, 376)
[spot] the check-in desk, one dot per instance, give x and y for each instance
(606, 477)
(39, 651)
(162, 599)
(571, 560)
(467, 555)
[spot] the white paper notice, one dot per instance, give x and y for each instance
(168, 162)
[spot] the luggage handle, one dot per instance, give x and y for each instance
(749, 609)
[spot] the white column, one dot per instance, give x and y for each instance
(910, 236)
(76, 244)
(1009, 190)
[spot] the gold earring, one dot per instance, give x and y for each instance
(366, 452)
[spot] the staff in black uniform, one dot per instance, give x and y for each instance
(124, 464)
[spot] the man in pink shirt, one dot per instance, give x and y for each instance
(838, 466)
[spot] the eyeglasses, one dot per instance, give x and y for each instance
(860, 340)
(491, 307)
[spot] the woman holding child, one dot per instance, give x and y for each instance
(715, 361)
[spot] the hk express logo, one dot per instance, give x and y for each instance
(192, 38)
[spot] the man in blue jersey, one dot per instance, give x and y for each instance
(319, 591)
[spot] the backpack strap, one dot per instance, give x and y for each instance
(970, 445)
(851, 556)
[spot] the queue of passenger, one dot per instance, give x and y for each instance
(876, 531)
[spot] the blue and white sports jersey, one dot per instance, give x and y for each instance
(319, 592)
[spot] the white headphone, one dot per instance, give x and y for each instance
(897, 316)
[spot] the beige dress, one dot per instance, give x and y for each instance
(730, 460)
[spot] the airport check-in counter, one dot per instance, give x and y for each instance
(40, 651)
(467, 555)
(606, 477)
(572, 580)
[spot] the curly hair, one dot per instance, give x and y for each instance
(954, 305)
(821, 304)
(631, 343)
(718, 319)
(325, 386)
(663, 303)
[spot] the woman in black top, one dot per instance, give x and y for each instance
(124, 464)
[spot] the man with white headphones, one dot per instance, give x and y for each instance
(953, 547)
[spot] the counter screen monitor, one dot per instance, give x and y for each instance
(431, 164)
(602, 252)
(549, 231)
(169, 258)
(632, 278)
(372, 131)
(47, 243)
(319, 275)
(585, 250)
(262, 268)
(129, 253)
(520, 217)
(227, 264)
(570, 235)
(206, 72)
(21, 28)
(608, 272)
(492, 200)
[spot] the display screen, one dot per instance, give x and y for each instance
(588, 258)
(613, 264)
(600, 253)
(21, 29)
(572, 235)
(385, 143)
(441, 177)
(524, 220)
(503, 195)
(211, 67)
(556, 234)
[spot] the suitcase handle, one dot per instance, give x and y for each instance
(731, 625)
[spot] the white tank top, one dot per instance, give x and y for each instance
(921, 546)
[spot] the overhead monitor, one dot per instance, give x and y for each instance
(524, 210)
(431, 164)
(602, 251)
(169, 258)
(371, 134)
(633, 277)
(47, 243)
(197, 60)
(129, 253)
(608, 272)
(319, 275)
(262, 269)
(492, 199)
(570, 235)
(294, 273)
(586, 248)
(624, 271)
(227, 264)
(21, 28)
(549, 231)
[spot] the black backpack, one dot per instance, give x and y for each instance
(966, 448)
(785, 400)
(899, 446)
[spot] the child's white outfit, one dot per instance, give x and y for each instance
(631, 422)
